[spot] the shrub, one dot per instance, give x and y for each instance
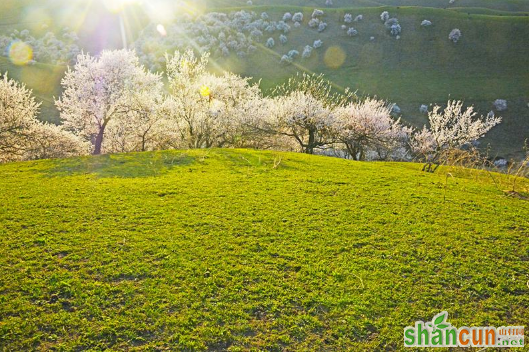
(270, 43)
(426, 23)
(287, 16)
(454, 35)
(322, 26)
(283, 39)
(359, 18)
(384, 16)
(265, 16)
(297, 17)
(317, 44)
(286, 59)
(317, 13)
(423, 109)
(390, 22)
(293, 53)
(348, 18)
(328, 3)
(307, 52)
(352, 32)
(395, 109)
(395, 30)
(314, 22)
(500, 104)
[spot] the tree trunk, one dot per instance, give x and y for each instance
(99, 140)
(310, 145)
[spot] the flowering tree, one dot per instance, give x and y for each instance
(98, 90)
(49, 141)
(208, 110)
(450, 129)
(144, 127)
(367, 126)
(303, 110)
(455, 35)
(18, 111)
(22, 136)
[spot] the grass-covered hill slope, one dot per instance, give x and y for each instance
(233, 249)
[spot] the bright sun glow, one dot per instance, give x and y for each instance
(20, 53)
(119, 5)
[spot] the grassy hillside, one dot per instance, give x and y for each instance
(490, 62)
(221, 250)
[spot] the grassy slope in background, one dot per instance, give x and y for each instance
(218, 249)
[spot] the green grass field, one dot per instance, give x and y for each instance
(220, 250)
(490, 62)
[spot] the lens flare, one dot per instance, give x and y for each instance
(334, 57)
(205, 91)
(20, 53)
(161, 29)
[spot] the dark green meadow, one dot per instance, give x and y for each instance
(222, 250)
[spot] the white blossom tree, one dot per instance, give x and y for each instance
(451, 128)
(209, 110)
(18, 111)
(22, 136)
(99, 89)
(303, 110)
(367, 126)
(455, 35)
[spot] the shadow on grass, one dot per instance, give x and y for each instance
(120, 165)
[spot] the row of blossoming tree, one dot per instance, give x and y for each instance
(112, 104)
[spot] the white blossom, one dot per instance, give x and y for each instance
(450, 128)
(286, 59)
(22, 136)
(314, 22)
(307, 52)
(455, 35)
(352, 32)
(500, 104)
(98, 90)
(368, 128)
(293, 53)
(317, 13)
(297, 17)
(426, 23)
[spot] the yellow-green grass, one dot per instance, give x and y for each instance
(239, 249)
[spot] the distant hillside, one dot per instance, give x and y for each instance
(239, 250)
(422, 67)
